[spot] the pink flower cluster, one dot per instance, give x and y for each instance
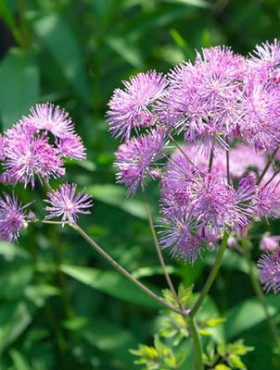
(36, 148)
(224, 110)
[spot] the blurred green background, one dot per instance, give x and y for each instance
(61, 305)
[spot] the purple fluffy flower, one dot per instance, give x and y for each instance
(265, 61)
(135, 159)
(259, 112)
(269, 266)
(65, 203)
(201, 98)
(71, 147)
(132, 107)
(268, 204)
(179, 232)
(27, 156)
(269, 243)
(11, 218)
(47, 117)
(177, 183)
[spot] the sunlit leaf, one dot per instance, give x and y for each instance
(248, 314)
(116, 196)
(19, 85)
(109, 282)
(19, 361)
(61, 42)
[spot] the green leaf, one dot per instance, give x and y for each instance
(19, 361)
(39, 293)
(127, 49)
(235, 362)
(12, 251)
(13, 282)
(62, 44)
(19, 86)
(14, 319)
(222, 367)
(8, 16)
(248, 314)
(109, 282)
(197, 3)
(115, 195)
(110, 338)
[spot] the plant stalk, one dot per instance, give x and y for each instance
(160, 256)
(267, 166)
(211, 277)
(198, 361)
(124, 272)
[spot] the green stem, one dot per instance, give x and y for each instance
(211, 277)
(198, 361)
(124, 272)
(227, 161)
(155, 239)
(259, 293)
(180, 149)
(267, 165)
(211, 158)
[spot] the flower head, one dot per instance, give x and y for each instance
(12, 218)
(201, 98)
(132, 107)
(179, 233)
(135, 159)
(50, 118)
(71, 147)
(269, 243)
(65, 203)
(265, 61)
(27, 156)
(269, 266)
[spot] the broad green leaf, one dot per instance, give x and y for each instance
(197, 3)
(19, 361)
(14, 319)
(115, 195)
(61, 42)
(19, 86)
(111, 339)
(13, 282)
(127, 50)
(39, 293)
(231, 261)
(8, 15)
(248, 314)
(109, 282)
(12, 251)
(151, 271)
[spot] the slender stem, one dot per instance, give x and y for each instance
(211, 277)
(272, 177)
(198, 361)
(211, 158)
(180, 149)
(161, 259)
(259, 293)
(124, 272)
(227, 161)
(267, 165)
